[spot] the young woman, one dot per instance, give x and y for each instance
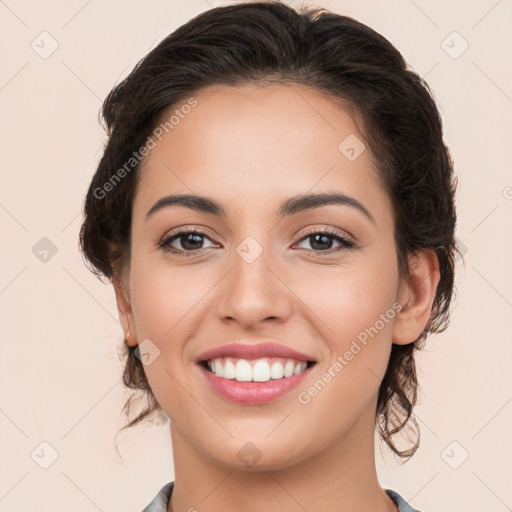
(275, 210)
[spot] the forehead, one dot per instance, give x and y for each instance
(246, 142)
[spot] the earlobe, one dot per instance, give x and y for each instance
(416, 296)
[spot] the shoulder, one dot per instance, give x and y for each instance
(161, 500)
(403, 506)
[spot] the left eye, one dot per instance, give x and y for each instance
(319, 241)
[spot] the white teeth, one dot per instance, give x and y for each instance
(276, 371)
(288, 368)
(261, 371)
(299, 368)
(243, 371)
(229, 370)
(218, 369)
(257, 371)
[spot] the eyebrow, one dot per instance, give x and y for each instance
(290, 206)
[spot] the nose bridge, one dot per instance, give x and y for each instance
(252, 290)
(252, 264)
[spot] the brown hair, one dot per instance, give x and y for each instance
(269, 42)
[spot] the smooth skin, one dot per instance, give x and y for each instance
(250, 148)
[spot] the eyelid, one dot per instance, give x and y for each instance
(194, 228)
(329, 230)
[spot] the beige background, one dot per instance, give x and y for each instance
(60, 372)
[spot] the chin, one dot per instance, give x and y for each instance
(255, 457)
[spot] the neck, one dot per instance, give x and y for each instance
(342, 477)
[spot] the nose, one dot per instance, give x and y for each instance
(254, 293)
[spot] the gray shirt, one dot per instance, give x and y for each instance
(161, 500)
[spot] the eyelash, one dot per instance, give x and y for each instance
(331, 233)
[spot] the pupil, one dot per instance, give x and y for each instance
(323, 239)
(197, 238)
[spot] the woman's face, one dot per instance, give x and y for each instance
(258, 274)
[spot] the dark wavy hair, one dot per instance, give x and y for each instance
(268, 42)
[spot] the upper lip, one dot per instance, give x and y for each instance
(253, 351)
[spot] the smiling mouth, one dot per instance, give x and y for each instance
(256, 370)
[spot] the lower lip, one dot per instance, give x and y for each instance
(253, 392)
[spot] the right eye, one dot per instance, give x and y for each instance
(190, 240)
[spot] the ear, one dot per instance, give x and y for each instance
(124, 310)
(416, 295)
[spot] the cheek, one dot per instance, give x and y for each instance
(348, 301)
(168, 307)
(353, 311)
(166, 304)
(165, 298)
